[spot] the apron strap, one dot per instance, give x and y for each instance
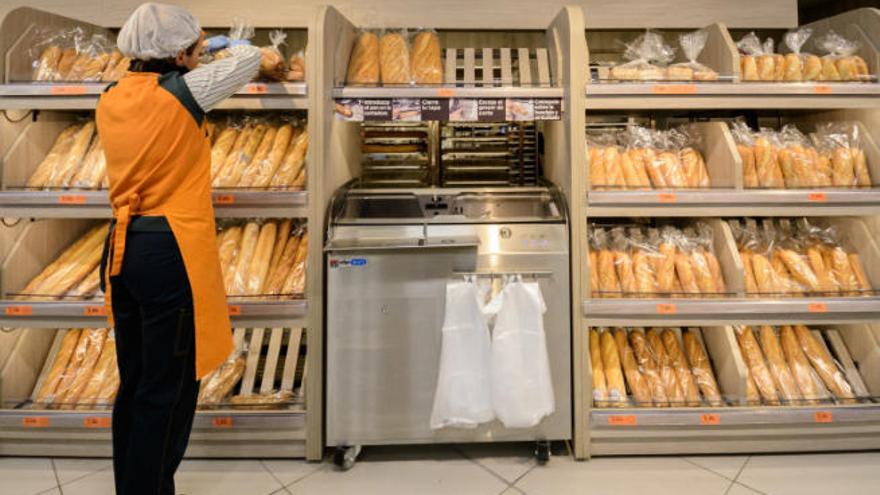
(120, 232)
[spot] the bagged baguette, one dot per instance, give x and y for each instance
(281, 268)
(296, 279)
(77, 358)
(600, 388)
(363, 66)
(282, 233)
(824, 365)
(649, 366)
(638, 384)
(841, 144)
(692, 45)
(84, 373)
(261, 172)
(794, 67)
(611, 368)
(234, 155)
(236, 164)
(394, 59)
(262, 402)
(47, 63)
(798, 364)
(643, 262)
(700, 367)
(668, 375)
(220, 383)
(238, 273)
(594, 276)
(647, 57)
(258, 267)
(103, 371)
(291, 171)
(223, 145)
(777, 365)
(666, 263)
(841, 62)
(52, 161)
(623, 263)
(425, 58)
(94, 168)
(754, 358)
(745, 143)
(46, 394)
(682, 369)
(296, 67)
(609, 284)
(271, 60)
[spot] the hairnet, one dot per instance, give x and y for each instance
(156, 30)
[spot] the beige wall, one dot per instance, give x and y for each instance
(509, 14)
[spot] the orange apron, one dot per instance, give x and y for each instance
(159, 164)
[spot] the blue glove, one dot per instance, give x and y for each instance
(239, 42)
(218, 42)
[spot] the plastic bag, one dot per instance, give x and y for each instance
(841, 63)
(463, 397)
(609, 284)
(647, 56)
(758, 62)
(394, 58)
(825, 366)
(754, 359)
(220, 383)
(522, 387)
(745, 142)
(425, 58)
(54, 56)
(700, 366)
(363, 65)
(795, 63)
(296, 70)
(649, 366)
(238, 32)
(271, 58)
(840, 151)
(692, 45)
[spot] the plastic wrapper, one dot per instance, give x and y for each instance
(425, 59)
(262, 402)
(758, 62)
(296, 279)
(79, 368)
(778, 366)
(291, 173)
(103, 373)
(681, 367)
(363, 65)
(296, 67)
(666, 371)
(68, 270)
(272, 65)
(798, 364)
(840, 145)
(797, 160)
(647, 57)
(824, 365)
(281, 268)
(600, 386)
(266, 164)
(623, 263)
(692, 45)
(612, 370)
(636, 381)
(258, 266)
(93, 169)
(69, 343)
(609, 284)
(767, 165)
(240, 157)
(259, 257)
(60, 149)
(701, 367)
(754, 359)
(841, 62)
(394, 58)
(240, 30)
(795, 63)
(70, 55)
(217, 386)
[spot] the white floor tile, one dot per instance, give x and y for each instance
(53, 491)
(215, 477)
(509, 461)
(622, 476)
(513, 491)
(426, 471)
(727, 466)
(291, 471)
(73, 469)
(100, 483)
(813, 473)
(738, 489)
(26, 476)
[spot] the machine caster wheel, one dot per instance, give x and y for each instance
(542, 452)
(344, 457)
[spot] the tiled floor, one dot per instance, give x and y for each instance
(478, 470)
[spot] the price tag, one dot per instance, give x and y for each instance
(446, 92)
(75, 90)
(35, 422)
(823, 417)
(666, 309)
(822, 89)
(234, 310)
(97, 422)
(817, 197)
(667, 197)
(71, 199)
(710, 419)
(95, 311)
(257, 89)
(817, 308)
(222, 422)
(674, 89)
(19, 310)
(622, 420)
(224, 199)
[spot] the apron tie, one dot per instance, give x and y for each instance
(120, 232)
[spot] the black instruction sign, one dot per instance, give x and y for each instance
(377, 109)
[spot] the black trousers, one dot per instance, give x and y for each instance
(155, 348)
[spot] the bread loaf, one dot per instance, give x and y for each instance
(47, 63)
(611, 368)
(291, 168)
(685, 272)
(295, 282)
(702, 273)
(749, 68)
(860, 168)
(594, 274)
(812, 67)
(800, 269)
(624, 265)
(394, 59)
(766, 67)
(823, 272)
(842, 170)
(281, 269)
(363, 66)
(296, 68)
(668, 376)
(829, 70)
(74, 364)
(281, 235)
(824, 365)
(86, 369)
(778, 366)
(262, 173)
(842, 269)
(798, 364)
(221, 382)
(60, 149)
(646, 283)
(666, 267)
(234, 155)
(638, 385)
(53, 378)
(103, 371)
(701, 368)
(259, 163)
(221, 149)
(238, 283)
(258, 267)
(600, 389)
(597, 168)
(778, 67)
(425, 62)
(682, 369)
(648, 365)
(751, 284)
(793, 68)
(609, 284)
(69, 163)
(754, 359)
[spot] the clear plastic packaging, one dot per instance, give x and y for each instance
(272, 60)
(262, 402)
(668, 375)
(649, 366)
(799, 365)
(795, 66)
(841, 62)
(647, 58)
(777, 366)
(296, 67)
(840, 149)
(600, 386)
(754, 359)
(824, 365)
(239, 31)
(426, 58)
(394, 58)
(757, 61)
(701, 367)
(363, 65)
(636, 381)
(692, 45)
(612, 369)
(218, 385)
(682, 369)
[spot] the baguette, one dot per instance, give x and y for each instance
(685, 272)
(93, 169)
(860, 167)
(611, 368)
(425, 59)
(829, 70)
(822, 271)
(47, 63)
(754, 359)
(95, 66)
(85, 371)
(654, 165)
(749, 68)
(594, 273)
(765, 276)
(766, 67)
(673, 172)
(624, 265)
(705, 280)
(843, 172)
(233, 156)
(666, 268)
(649, 367)
(291, 167)
(682, 369)
(749, 274)
(600, 389)
(778, 67)
(65, 63)
(798, 364)
(694, 168)
(824, 365)
(668, 376)
(88, 286)
(821, 168)
(71, 267)
(222, 381)
(394, 59)
(609, 284)
(632, 178)
(638, 385)
(265, 169)
(784, 280)
(249, 171)
(295, 282)
(53, 378)
(109, 388)
(646, 283)
(221, 149)
(262, 402)
(767, 164)
(68, 165)
(248, 245)
(60, 149)
(103, 371)
(598, 179)
(363, 66)
(112, 62)
(614, 176)
(228, 243)
(777, 365)
(793, 68)
(72, 252)
(281, 269)
(750, 174)
(812, 67)
(800, 269)
(77, 68)
(847, 69)
(231, 174)
(842, 269)
(752, 395)
(281, 236)
(701, 368)
(74, 364)
(258, 267)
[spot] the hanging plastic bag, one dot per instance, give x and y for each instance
(647, 55)
(692, 45)
(271, 58)
(463, 397)
(522, 388)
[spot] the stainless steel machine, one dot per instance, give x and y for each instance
(389, 254)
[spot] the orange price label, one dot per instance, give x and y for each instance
(622, 420)
(97, 422)
(817, 308)
(234, 310)
(666, 309)
(674, 89)
(19, 310)
(35, 422)
(667, 197)
(822, 89)
(817, 197)
(710, 419)
(68, 90)
(257, 89)
(224, 199)
(446, 92)
(71, 199)
(823, 417)
(95, 311)
(222, 422)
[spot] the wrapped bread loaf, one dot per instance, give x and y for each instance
(265, 165)
(394, 59)
(221, 149)
(220, 383)
(296, 279)
(70, 268)
(649, 366)
(281, 268)
(53, 159)
(291, 172)
(103, 371)
(282, 234)
(594, 275)
(245, 174)
(47, 63)
(77, 358)
(228, 244)
(83, 374)
(258, 266)
(46, 394)
(701, 368)
(262, 402)
(681, 367)
(798, 364)
(777, 365)
(638, 384)
(600, 388)
(425, 63)
(668, 375)
(237, 279)
(236, 163)
(234, 154)
(68, 166)
(611, 368)
(824, 365)
(754, 358)
(363, 66)
(108, 390)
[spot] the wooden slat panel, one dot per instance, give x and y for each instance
(253, 359)
(290, 361)
(525, 67)
(469, 76)
(451, 62)
(488, 67)
(543, 67)
(506, 73)
(268, 383)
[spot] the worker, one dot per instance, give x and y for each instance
(161, 271)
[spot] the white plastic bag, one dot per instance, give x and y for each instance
(522, 388)
(463, 398)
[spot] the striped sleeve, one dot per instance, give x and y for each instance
(212, 83)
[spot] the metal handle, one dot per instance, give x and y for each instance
(390, 247)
